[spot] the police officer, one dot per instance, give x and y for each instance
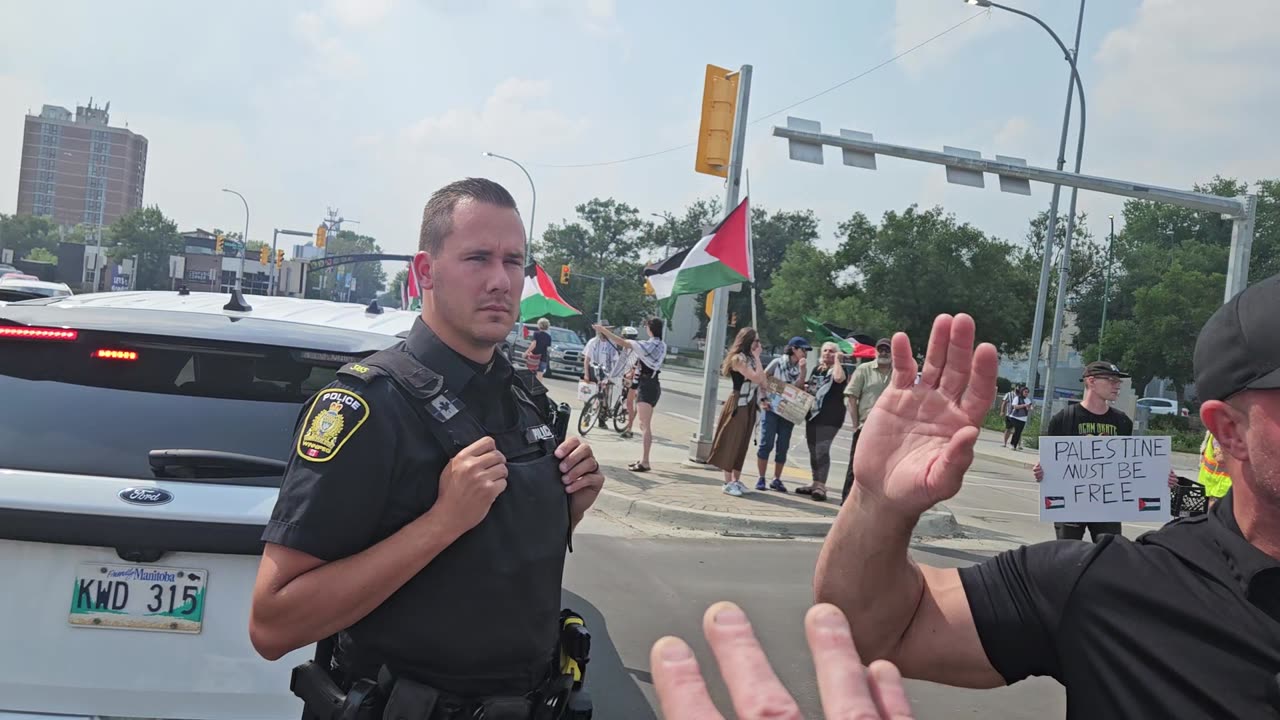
(426, 509)
(1181, 622)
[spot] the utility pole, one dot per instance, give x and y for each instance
(1106, 286)
(700, 449)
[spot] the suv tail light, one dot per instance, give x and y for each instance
(22, 332)
(110, 354)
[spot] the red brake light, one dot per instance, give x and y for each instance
(18, 332)
(109, 354)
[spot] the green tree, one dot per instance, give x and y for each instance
(150, 237)
(370, 277)
(392, 297)
(604, 241)
(25, 233)
(807, 284)
(919, 264)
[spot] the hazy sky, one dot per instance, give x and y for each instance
(369, 105)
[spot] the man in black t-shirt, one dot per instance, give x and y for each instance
(1180, 622)
(1091, 416)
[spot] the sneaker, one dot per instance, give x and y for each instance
(777, 485)
(733, 488)
(760, 484)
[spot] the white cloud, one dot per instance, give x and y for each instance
(517, 113)
(1187, 91)
(331, 55)
(1013, 135)
(361, 13)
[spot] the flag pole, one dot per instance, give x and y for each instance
(751, 255)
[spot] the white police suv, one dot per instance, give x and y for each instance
(142, 443)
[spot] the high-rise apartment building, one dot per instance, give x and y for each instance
(79, 169)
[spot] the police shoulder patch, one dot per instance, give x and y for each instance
(334, 417)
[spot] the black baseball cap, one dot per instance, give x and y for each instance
(1102, 368)
(1239, 347)
(884, 342)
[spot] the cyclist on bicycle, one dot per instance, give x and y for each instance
(599, 360)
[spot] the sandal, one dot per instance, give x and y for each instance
(637, 466)
(818, 494)
(806, 490)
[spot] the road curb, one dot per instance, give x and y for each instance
(935, 523)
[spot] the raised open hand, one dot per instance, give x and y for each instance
(918, 440)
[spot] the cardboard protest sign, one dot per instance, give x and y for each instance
(1105, 479)
(789, 401)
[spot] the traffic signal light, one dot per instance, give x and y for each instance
(715, 135)
(321, 232)
(564, 274)
(264, 255)
(279, 258)
(217, 246)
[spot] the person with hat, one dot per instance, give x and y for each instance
(866, 385)
(775, 430)
(1183, 621)
(1091, 416)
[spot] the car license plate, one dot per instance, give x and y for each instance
(138, 597)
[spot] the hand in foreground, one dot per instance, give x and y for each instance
(470, 483)
(848, 688)
(580, 473)
(1038, 472)
(918, 440)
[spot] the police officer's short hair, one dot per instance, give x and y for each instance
(437, 216)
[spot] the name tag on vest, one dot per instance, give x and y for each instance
(538, 433)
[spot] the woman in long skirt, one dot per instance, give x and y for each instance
(737, 420)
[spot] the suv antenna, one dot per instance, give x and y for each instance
(374, 308)
(237, 302)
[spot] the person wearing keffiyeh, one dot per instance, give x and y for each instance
(826, 384)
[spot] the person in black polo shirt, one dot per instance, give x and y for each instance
(1182, 622)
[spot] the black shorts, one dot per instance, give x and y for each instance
(649, 390)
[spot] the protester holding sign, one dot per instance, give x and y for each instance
(1091, 416)
(1181, 622)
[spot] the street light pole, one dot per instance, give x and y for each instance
(1106, 286)
(244, 241)
(533, 207)
(1042, 294)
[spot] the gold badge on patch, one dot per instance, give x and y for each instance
(334, 417)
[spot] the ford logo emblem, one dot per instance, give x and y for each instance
(145, 496)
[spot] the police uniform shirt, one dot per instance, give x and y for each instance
(1181, 622)
(364, 466)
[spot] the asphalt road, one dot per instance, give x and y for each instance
(633, 588)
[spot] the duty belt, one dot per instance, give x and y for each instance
(560, 697)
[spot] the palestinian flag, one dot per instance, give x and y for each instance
(410, 295)
(540, 297)
(717, 260)
(824, 332)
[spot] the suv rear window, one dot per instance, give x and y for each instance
(100, 404)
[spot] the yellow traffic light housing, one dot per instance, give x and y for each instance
(321, 233)
(264, 255)
(564, 274)
(217, 245)
(715, 136)
(279, 258)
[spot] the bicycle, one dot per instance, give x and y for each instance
(602, 406)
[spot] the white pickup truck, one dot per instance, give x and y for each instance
(141, 449)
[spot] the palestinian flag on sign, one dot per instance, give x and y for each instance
(719, 259)
(540, 297)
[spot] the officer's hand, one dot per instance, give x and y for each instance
(580, 473)
(1038, 472)
(470, 483)
(847, 687)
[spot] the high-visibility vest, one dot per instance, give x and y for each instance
(1213, 471)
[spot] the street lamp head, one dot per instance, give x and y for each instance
(979, 3)
(486, 153)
